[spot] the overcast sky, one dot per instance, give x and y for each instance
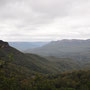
(44, 20)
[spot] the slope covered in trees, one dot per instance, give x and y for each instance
(30, 61)
(34, 62)
(19, 71)
(17, 80)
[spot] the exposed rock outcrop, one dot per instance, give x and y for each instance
(3, 44)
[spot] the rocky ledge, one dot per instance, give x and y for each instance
(3, 44)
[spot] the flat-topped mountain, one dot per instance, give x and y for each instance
(62, 47)
(78, 50)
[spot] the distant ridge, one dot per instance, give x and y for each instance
(23, 46)
(62, 46)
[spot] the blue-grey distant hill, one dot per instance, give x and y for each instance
(78, 50)
(23, 46)
(62, 47)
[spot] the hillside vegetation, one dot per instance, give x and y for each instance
(14, 79)
(34, 62)
(23, 71)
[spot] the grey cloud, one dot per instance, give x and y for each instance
(52, 7)
(22, 16)
(34, 13)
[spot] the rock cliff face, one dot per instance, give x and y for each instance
(3, 44)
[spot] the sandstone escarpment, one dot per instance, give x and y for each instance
(3, 44)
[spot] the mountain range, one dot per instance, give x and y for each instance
(36, 63)
(26, 71)
(62, 47)
(23, 46)
(78, 50)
